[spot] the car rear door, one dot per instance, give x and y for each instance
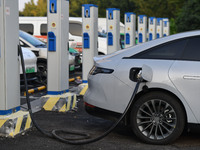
(185, 74)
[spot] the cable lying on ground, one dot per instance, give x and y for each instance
(83, 138)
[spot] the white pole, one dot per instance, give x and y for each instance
(142, 29)
(130, 27)
(113, 29)
(90, 37)
(58, 60)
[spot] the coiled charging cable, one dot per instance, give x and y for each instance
(83, 138)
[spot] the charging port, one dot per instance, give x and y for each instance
(134, 72)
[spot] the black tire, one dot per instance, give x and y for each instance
(161, 124)
(42, 72)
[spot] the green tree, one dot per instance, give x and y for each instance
(189, 17)
(42, 8)
(159, 8)
(31, 9)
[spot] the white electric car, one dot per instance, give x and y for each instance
(165, 103)
(30, 61)
(40, 50)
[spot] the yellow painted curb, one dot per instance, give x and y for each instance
(60, 103)
(13, 124)
(84, 90)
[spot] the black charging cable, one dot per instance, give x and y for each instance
(85, 138)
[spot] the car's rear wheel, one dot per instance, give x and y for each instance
(157, 118)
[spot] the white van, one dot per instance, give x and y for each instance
(37, 26)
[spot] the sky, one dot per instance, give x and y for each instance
(22, 3)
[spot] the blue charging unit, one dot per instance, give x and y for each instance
(140, 38)
(150, 36)
(87, 9)
(127, 38)
(110, 12)
(53, 6)
(51, 42)
(86, 39)
(110, 38)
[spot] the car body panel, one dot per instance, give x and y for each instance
(186, 78)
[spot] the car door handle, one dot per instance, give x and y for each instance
(187, 77)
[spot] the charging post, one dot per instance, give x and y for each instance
(90, 40)
(130, 27)
(113, 29)
(159, 26)
(12, 120)
(142, 29)
(152, 28)
(58, 97)
(166, 27)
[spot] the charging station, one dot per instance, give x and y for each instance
(159, 26)
(166, 27)
(90, 37)
(58, 96)
(152, 28)
(113, 29)
(12, 119)
(130, 28)
(142, 29)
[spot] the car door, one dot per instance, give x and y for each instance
(185, 74)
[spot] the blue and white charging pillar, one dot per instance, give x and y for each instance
(152, 28)
(130, 27)
(12, 119)
(9, 64)
(58, 59)
(90, 37)
(58, 97)
(166, 27)
(113, 29)
(142, 29)
(159, 26)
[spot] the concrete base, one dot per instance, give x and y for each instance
(59, 103)
(82, 88)
(13, 124)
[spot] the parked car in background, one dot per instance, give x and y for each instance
(30, 61)
(165, 103)
(40, 50)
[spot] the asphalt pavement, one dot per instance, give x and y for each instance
(121, 138)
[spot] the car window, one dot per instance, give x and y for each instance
(32, 40)
(192, 49)
(22, 44)
(75, 29)
(43, 30)
(27, 28)
(171, 50)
